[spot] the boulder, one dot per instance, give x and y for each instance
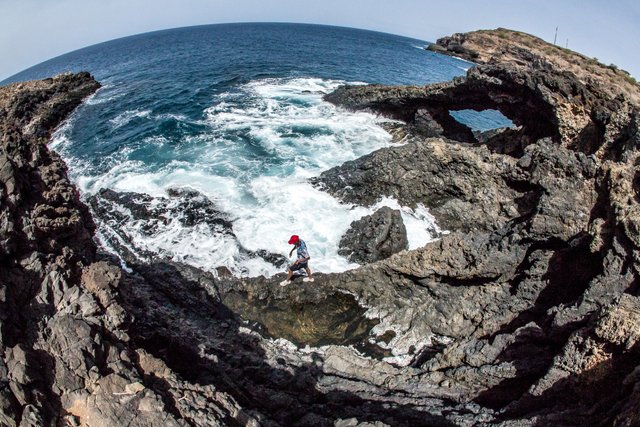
(374, 237)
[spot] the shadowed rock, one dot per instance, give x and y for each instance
(66, 356)
(525, 314)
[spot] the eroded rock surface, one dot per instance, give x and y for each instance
(530, 270)
(66, 356)
(375, 237)
(504, 46)
(146, 216)
(465, 187)
(525, 314)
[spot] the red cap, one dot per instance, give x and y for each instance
(293, 240)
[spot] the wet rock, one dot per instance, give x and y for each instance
(335, 319)
(465, 187)
(187, 206)
(536, 267)
(64, 350)
(374, 237)
(275, 259)
(152, 215)
(524, 314)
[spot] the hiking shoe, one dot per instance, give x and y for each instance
(285, 283)
(308, 279)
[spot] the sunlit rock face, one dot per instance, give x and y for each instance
(525, 313)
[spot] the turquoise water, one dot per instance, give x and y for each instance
(236, 112)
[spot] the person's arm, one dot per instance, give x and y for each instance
(305, 255)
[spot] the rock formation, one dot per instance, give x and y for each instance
(186, 206)
(527, 313)
(66, 356)
(374, 237)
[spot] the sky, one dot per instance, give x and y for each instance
(32, 31)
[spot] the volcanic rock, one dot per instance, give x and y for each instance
(188, 207)
(554, 240)
(525, 314)
(465, 187)
(374, 237)
(504, 46)
(65, 353)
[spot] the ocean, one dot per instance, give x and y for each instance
(235, 112)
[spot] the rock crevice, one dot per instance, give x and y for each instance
(526, 313)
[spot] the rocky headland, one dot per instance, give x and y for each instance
(526, 314)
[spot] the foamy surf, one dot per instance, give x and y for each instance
(262, 142)
(105, 94)
(124, 118)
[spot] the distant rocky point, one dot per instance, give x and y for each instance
(517, 48)
(526, 314)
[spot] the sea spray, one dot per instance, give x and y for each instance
(262, 143)
(236, 114)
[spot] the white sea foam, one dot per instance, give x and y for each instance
(124, 118)
(158, 141)
(176, 117)
(105, 94)
(60, 137)
(420, 224)
(264, 141)
(463, 60)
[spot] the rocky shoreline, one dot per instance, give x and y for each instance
(527, 313)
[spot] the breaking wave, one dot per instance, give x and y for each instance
(256, 146)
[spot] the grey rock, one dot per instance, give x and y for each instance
(525, 314)
(465, 188)
(64, 347)
(375, 237)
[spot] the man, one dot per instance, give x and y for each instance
(301, 262)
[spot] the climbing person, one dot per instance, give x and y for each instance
(301, 262)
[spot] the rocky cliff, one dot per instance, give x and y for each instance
(66, 353)
(526, 313)
(521, 49)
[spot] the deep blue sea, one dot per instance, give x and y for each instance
(235, 112)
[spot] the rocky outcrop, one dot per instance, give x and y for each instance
(465, 187)
(374, 237)
(504, 46)
(532, 268)
(66, 357)
(148, 216)
(526, 313)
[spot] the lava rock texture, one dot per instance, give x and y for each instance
(526, 314)
(66, 357)
(375, 237)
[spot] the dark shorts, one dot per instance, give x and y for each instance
(298, 266)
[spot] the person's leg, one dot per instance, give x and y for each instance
(309, 278)
(289, 276)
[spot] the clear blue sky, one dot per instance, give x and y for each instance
(32, 31)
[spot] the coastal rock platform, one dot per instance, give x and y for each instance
(526, 314)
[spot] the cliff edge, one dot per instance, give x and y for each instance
(517, 48)
(526, 314)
